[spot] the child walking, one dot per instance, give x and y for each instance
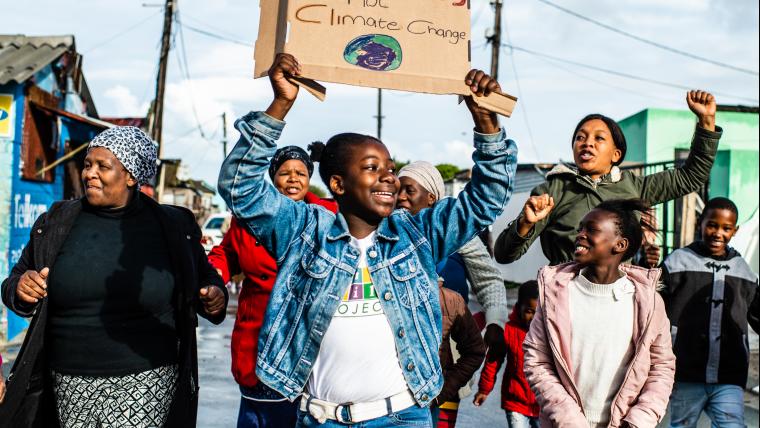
(354, 322)
(517, 399)
(598, 352)
(570, 191)
(709, 288)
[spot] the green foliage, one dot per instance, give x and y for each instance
(447, 170)
(400, 164)
(317, 191)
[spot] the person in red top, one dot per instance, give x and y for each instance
(240, 252)
(517, 399)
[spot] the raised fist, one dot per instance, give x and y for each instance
(703, 105)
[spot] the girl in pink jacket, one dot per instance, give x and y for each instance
(598, 352)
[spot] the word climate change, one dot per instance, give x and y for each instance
(323, 14)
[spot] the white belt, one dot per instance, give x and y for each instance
(356, 412)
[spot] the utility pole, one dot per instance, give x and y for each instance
(158, 111)
(495, 39)
(224, 135)
(379, 114)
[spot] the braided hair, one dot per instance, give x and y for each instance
(335, 155)
(631, 224)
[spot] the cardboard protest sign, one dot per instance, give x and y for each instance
(410, 45)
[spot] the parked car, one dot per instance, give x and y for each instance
(212, 230)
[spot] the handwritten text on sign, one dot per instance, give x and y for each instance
(376, 18)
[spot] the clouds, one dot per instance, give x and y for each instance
(121, 73)
(125, 102)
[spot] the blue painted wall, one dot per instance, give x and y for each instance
(22, 201)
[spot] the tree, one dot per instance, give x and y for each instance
(400, 164)
(447, 170)
(317, 190)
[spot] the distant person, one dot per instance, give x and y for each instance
(555, 207)
(421, 187)
(709, 290)
(114, 283)
(458, 325)
(517, 400)
(598, 351)
(240, 252)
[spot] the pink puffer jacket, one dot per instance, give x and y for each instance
(643, 396)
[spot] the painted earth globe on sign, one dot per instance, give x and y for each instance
(374, 52)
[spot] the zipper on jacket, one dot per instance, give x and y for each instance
(561, 359)
(638, 350)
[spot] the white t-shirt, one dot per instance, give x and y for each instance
(357, 360)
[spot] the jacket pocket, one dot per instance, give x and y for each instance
(315, 264)
(411, 281)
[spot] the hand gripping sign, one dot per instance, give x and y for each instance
(409, 45)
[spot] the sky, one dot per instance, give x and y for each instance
(120, 42)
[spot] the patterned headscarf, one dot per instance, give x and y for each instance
(287, 153)
(427, 176)
(132, 147)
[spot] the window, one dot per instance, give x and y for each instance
(40, 136)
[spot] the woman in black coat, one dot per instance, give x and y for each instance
(114, 282)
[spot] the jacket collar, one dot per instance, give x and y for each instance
(554, 282)
(614, 176)
(339, 230)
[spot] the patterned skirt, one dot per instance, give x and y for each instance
(140, 400)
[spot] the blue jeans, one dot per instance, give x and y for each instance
(518, 420)
(724, 404)
(415, 416)
(267, 414)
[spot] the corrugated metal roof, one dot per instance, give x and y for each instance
(22, 56)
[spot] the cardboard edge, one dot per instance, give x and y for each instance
(311, 86)
(497, 102)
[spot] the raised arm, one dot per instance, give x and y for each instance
(517, 238)
(451, 223)
(486, 281)
(274, 219)
(672, 184)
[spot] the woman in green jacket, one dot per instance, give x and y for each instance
(555, 207)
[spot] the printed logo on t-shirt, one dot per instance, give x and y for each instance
(360, 299)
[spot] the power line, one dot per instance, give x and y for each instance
(217, 36)
(620, 73)
(186, 71)
(647, 41)
(603, 83)
(121, 33)
(530, 52)
(519, 95)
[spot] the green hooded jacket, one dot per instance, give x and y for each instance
(575, 195)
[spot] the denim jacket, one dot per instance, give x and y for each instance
(316, 261)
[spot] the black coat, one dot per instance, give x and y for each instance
(29, 401)
(702, 291)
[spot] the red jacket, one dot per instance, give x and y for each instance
(241, 252)
(516, 395)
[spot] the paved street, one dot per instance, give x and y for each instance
(219, 397)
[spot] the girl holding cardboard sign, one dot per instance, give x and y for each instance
(353, 324)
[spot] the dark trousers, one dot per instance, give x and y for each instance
(267, 414)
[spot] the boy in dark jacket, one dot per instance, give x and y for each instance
(708, 291)
(517, 399)
(458, 325)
